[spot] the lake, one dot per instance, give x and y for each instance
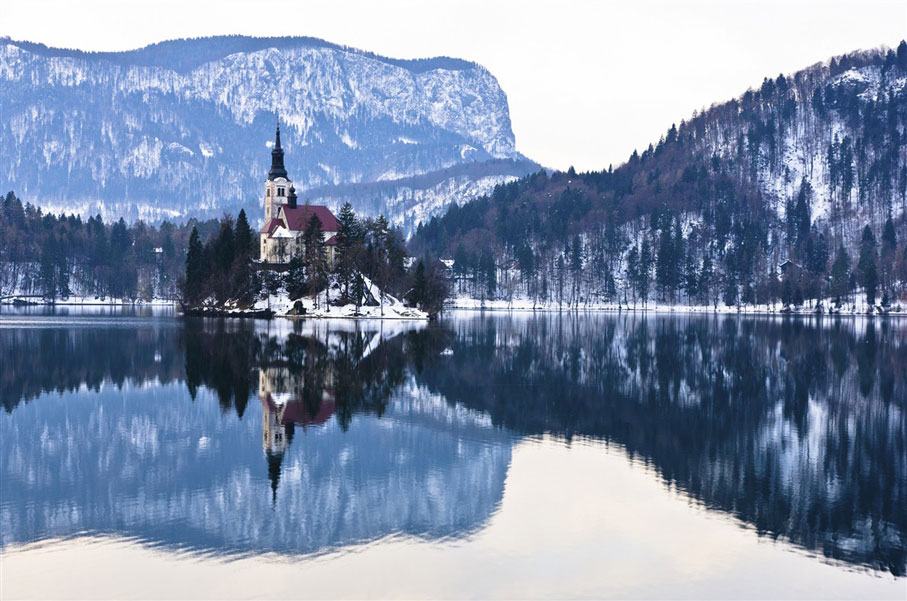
(143, 455)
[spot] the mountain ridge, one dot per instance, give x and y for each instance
(99, 133)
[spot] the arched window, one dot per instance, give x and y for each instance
(279, 191)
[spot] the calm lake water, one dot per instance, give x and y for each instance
(490, 455)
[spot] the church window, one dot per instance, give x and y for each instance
(279, 191)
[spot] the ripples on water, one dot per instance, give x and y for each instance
(300, 438)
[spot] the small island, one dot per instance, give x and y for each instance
(308, 263)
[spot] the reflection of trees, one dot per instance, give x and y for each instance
(360, 366)
(794, 428)
(40, 360)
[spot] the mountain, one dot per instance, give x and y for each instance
(182, 128)
(805, 176)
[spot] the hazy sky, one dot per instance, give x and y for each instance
(587, 81)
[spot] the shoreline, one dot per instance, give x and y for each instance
(500, 306)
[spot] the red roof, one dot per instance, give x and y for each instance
(299, 217)
(270, 226)
(297, 412)
(332, 241)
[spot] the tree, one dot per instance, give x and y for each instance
(349, 239)
(245, 244)
(296, 278)
(224, 256)
(315, 263)
(632, 270)
(665, 262)
(888, 253)
(869, 276)
(576, 264)
(643, 280)
(840, 276)
(420, 285)
(194, 269)
(49, 268)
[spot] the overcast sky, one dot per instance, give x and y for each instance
(587, 81)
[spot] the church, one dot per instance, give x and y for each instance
(285, 220)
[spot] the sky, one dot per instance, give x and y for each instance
(587, 82)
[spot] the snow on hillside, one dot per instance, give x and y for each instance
(155, 134)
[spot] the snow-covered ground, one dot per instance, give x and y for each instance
(389, 307)
(85, 300)
(524, 304)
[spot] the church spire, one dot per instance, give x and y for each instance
(277, 168)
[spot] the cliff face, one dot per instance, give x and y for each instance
(182, 128)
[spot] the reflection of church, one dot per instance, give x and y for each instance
(287, 402)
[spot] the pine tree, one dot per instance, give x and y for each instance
(349, 237)
(224, 255)
(840, 276)
(194, 269)
(644, 278)
(243, 236)
(888, 253)
(632, 271)
(48, 271)
(576, 264)
(420, 284)
(664, 263)
(867, 265)
(315, 263)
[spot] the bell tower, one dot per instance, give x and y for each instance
(278, 183)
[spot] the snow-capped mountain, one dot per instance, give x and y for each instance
(182, 128)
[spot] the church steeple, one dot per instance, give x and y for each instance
(277, 168)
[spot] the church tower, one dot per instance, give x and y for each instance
(278, 183)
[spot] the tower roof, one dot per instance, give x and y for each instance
(277, 168)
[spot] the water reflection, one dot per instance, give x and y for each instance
(795, 427)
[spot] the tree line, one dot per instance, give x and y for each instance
(58, 256)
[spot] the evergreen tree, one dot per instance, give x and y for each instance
(664, 264)
(349, 237)
(417, 294)
(644, 275)
(840, 276)
(633, 271)
(315, 258)
(867, 265)
(49, 268)
(192, 288)
(296, 278)
(245, 244)
(224, 256)
(888, 253)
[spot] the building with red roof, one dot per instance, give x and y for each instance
(281, 236)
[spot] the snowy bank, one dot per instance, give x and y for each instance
(85, 300)
(379, 306)
(523, 304)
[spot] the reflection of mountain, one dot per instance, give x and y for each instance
(146, 461)
(795, 428)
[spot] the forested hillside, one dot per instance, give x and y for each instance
(793, 192)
